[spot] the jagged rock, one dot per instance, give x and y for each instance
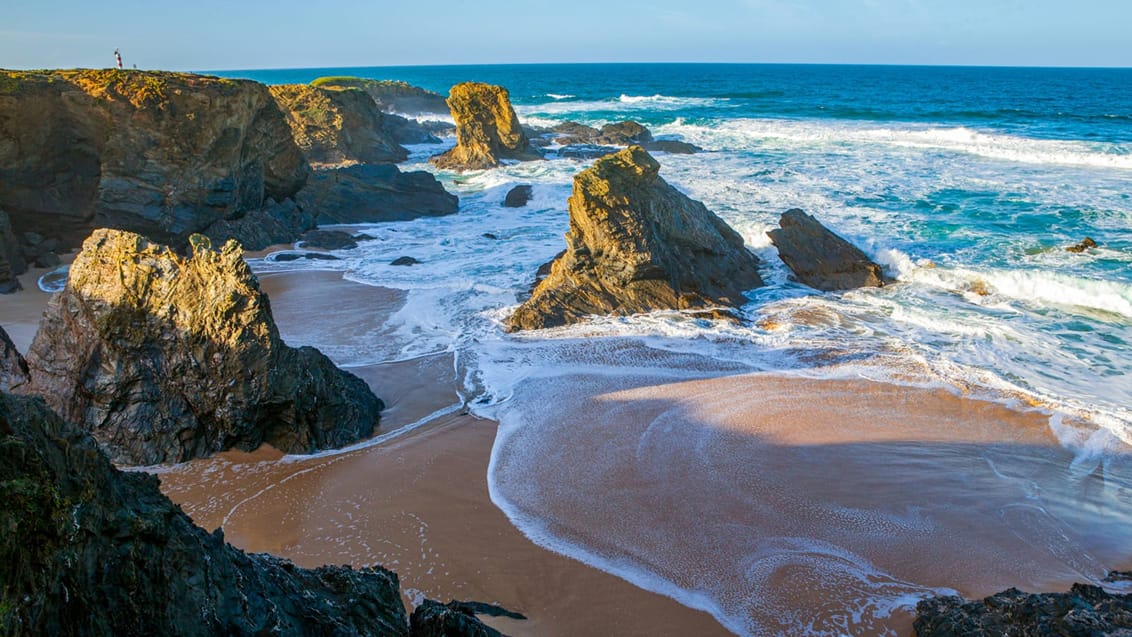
(162, 154)
(570, 133)
(1082, 612)
(518, 196)
(368, 193)
(328, 240)
(11, 257)
(406, 260)
(820, 258)
(455, 619)
(13, 367)
(672, 147)
(636, 244)
(332, 126)
(392, 96)
(623, 134)
(164, 358)
(87, 550)
(1086, 244)
(272, 224)
(487, 129)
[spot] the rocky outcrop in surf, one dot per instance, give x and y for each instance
(13, 367)
(391, 96)
(819, 258)
(333, 126)
(89, 550)
(518, 196)
(162, 154)
(585, 142)
(636, 244)
(1084, 611)
(487, 129)
(368, 193)
(164, 358)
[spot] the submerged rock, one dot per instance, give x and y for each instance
(820, 258)
(405, 260)
(487, 129)
(672, 147)
(13, 367)
(88, 550)
(368, 193)
(332, 126)
(1082, 612)
(586, 142)
(636, 244)
(1086, 244)
(328, 240)
(518, 196)
(165, 357)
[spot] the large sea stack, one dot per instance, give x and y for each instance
(164, 358)
(87, 550)
(487, 129)
(161, 154)
(336, 126)
(821, 259)
(636, 244)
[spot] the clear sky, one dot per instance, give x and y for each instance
(250, 34)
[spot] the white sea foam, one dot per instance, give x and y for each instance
(560, 97)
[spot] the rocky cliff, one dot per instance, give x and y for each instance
(369, 193)
(164, 357)
(1084, 611)
(821, 259)
(13, 367)
(11, 258)
(487, 129)
(391, 96)
(162, 154)
(88, 550)
(333, 126)
(636, 244)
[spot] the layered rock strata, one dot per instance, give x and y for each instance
(636, 244)
(337, 126)
(164, 358)
(821, 259)
(487, 129)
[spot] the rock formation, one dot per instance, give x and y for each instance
(335, 126)
(13, 367)
(330, 240)
(11, 257)
(391, 96)
(487, 129)
(368, 193)
(820, 258)
(162, 154)
(1082, 612)
(518, 196)
(586, 142)
(455, 619)
(1085, 244)
(636, 244)
(166, 358)
(87, 550)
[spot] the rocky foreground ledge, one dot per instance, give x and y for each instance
(164, 358)
(636, 244)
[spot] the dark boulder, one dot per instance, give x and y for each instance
(368, 193)
(672, 147)
(455, 619)
(284, 257)
(164, 358)
(487, 129)
(391, 96)
(406, 260)
(623, 134)
(518, 196)
(276, 222)
(328, 240)
(408, 131)
(87, 550)
(13, 367)
(585, 152)
(636, 244)
(1084, 611)
(820, 258)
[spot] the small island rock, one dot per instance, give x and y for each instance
(487, 129)
(820, 258)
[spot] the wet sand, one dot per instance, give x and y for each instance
(20, 312)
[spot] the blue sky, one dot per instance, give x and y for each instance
(214, 35)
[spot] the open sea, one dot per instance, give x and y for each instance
(966, 184)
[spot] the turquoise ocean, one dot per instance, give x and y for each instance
(966, 184)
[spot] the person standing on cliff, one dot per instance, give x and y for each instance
(118, 58)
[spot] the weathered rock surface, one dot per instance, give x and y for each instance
(636, 244)
(162, 154)
(1085, 244)
(487, 129)
(405, 260)
(820, 258)
(88, 550)
(455, 619)
(276, 222)
(518, 196)
(328, 240)
(623, 134)
(586, 142)
(11, 257)
(13, 367)
(409, 131)
(368, 193)
(391, 96)
(1084, 611)
(164, 358)
(333, 126)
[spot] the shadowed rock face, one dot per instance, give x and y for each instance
(162, 154)
(820, 258)
(164, 358)
(13, 367)
(87, 550)
(11, 258)
(335, 126)
(636, 244)
(487, 129)
(369, 193)
(1082, 612)
(391, 96)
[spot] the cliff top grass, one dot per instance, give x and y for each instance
(390, 87)
(140, 88)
